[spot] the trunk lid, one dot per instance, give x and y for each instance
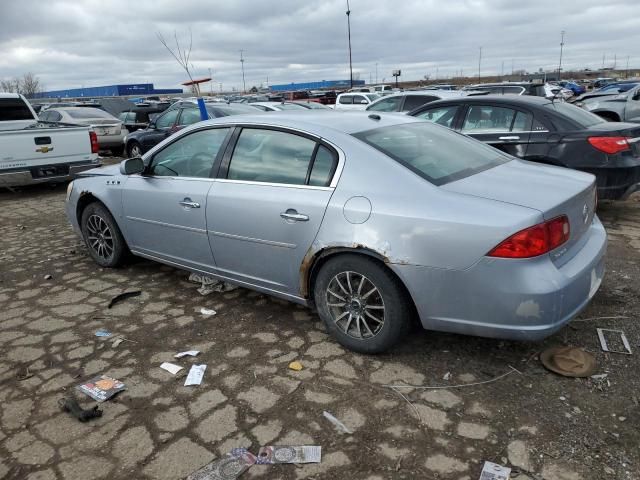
(553, 191)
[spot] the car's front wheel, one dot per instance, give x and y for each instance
(102, 236)
(363, 305)
(134, 149)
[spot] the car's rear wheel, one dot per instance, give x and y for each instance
(102, 236)
(134, 150)
(363, 305)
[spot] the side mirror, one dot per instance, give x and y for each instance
(131, 166)
(363, 102)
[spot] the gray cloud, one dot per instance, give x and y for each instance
(87, 42)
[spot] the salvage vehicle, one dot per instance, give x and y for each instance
(109, 129)
(620, 107)
(609, 90)
(549, 132)
(37, 152)
(355, 101)
(174, 119)
(406, 101)
(374, 219)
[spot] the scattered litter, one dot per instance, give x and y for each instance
(71, 405)
(170, 367)
(123, 296)
(48, 277)
(234, 464)
(103, 333)
(287, 454)
(447, 376)
(191, 353)
(474, 384)
(297, 366)
(195, 375)
(101, 388)
(24, 376)
(116, 342)
(341, 427)
(210, 284)
(568, 361)
(622, 338)
(600, 376)
(207, 311)
(493, 471)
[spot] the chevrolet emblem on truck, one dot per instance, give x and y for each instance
(44, 149)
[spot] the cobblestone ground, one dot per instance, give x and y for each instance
(543, 426)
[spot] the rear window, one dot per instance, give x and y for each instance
(14, 109)
(575, 114)
(435, 153)
(89, 113)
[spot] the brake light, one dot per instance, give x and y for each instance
(93, 138)
(610, 145)
(534, 241)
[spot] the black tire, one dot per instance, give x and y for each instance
(102, 236)
(117, 151)
(353, 325)
(132, 147)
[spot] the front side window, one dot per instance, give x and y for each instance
(391, 104)
(189, 116)
(442, 116)
(438, 155)
(488, 119)
(190, 156)
(168, 119)
(346, 100)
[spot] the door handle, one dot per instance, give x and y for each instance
(187, 203)
(294, 216)
(514, 137)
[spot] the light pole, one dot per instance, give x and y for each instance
(210, 82)
(479, 63)
(561, 47)
(349, 35)
(377, 72)
(244, 85)
(627, 74)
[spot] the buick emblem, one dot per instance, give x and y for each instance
(585, 213)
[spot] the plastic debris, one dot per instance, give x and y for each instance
(622, 338)
(207, 311)
(48, 277)
(493, 471)
(287, 454)
(600, 376)
(195, 375)
(447, 376)
(103, 333)
(234, 464)
(71, 405)
(116, 342)
(341, 427)
(101, 388)
(191, 353)
(123, 296)
(210, 284)
(170, 367)
(297, 366)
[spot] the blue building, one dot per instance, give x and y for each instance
(109, 91)
(335, 84)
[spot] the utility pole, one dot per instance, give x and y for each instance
(561, 47)
(376, 72)
(244, 85)
(349, 35)
(512, 69)
(603, 57)
(210, 82)
(627, 74)
(502, 70)
(436, 73)
(479, 63)
(615, 60)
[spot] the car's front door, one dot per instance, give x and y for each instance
(267, 206)
(164, 126)
(504, 128)
(632, 108)
(165, 208)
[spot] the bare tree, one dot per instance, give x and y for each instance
(11, 85)
(181, 54)
(30, 85)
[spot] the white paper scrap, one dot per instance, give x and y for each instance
(171, 368)
(493, 471)
(195, 375)
(207, 311)
(192, 353)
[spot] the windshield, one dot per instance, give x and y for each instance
(575, 114)
(89, 113)
(435, 153)
(372, 96)
(290, 106)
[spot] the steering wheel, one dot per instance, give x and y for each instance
(200, 164)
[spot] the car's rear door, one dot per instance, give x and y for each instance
(165, 208)
(267, 205)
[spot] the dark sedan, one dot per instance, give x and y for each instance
(139, 117)
(174, 119)
(555, 133)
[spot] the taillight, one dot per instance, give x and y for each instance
(534, 241)
(610, 145)
(93, 138)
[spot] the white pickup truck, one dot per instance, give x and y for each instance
(32, 151)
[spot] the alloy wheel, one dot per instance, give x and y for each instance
(356, 305)
(136, 151)
(100, 237)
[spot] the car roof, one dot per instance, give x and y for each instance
(9, 95)
(506, 99)
(315, 122)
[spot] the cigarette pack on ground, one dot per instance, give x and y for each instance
(288, 454)
(493, 471)
(101, 388)
(228, 468)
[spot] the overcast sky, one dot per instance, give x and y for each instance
(76, 43)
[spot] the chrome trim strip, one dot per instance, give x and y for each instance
(170, 225)
(269, 184)
(250, 239)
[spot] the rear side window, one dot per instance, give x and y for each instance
(323, 167)
(168, 119)
(488, 119)
(575, 114)
(14, 109)
(436, 154)
(414, 101)
(189, 116)
(391, 104)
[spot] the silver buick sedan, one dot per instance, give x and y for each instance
(373, 219)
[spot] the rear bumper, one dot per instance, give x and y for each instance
(504, 298)
(616, 183)
(107, 141)
(45, 173)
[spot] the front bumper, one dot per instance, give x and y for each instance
(45, 174)
(527, 299)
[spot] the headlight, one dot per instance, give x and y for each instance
(69, 190)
